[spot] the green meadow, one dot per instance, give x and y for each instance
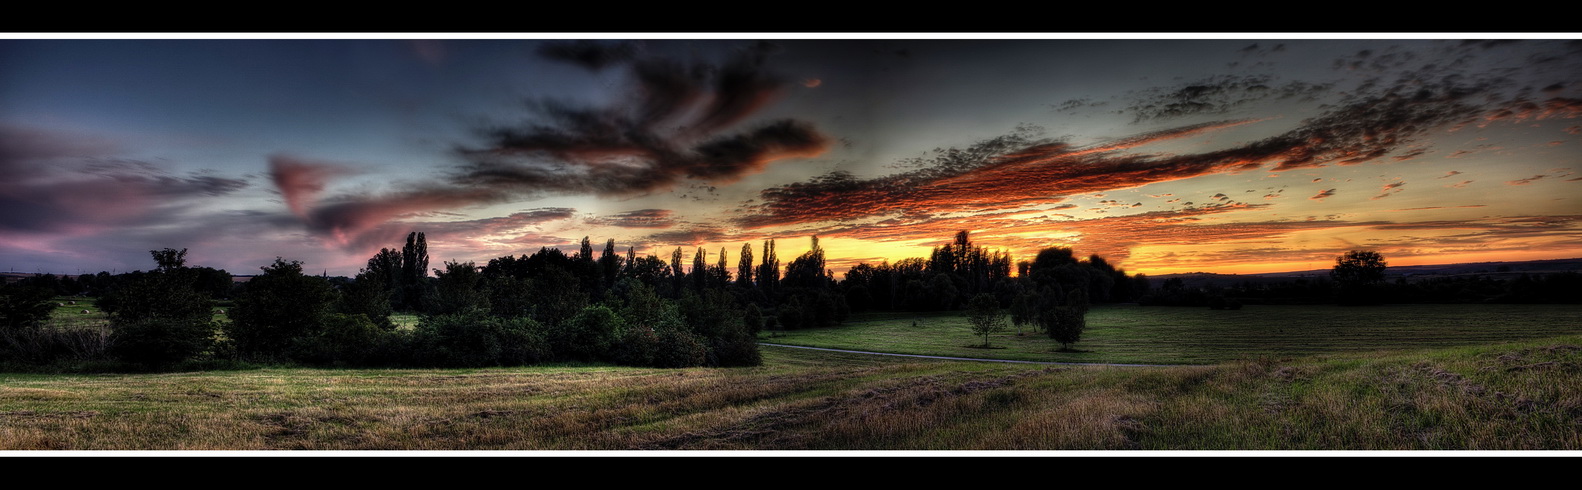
(1393, 377)
(1181, 335)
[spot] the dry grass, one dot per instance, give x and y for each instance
(1511, 396)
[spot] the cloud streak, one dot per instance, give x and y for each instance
(1014, 170)
(354, 221)
(673, 128)
(1217, 95)
(642, 218)
(59, 182)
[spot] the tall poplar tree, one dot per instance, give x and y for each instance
(414, 268)
(744, 266)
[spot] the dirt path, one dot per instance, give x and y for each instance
(971, 358)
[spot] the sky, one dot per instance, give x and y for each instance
(1162, 155)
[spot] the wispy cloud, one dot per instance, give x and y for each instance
(1526, 181)
(674, 128)
(62, 182)
(1017, 170)
(642, 218)
(1216, 95)
(354, 221)
(1390, 188)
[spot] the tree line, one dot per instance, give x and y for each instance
(548, 306)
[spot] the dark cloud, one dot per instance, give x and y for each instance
(348, 220)
(26, 151)
(479, 238)
(1450, 174)
(1323, 194)
(1371, 122)
(1390, 59)
(1074, 104)
(1410, 154)
(1488, 43)
(588, 53)
(300, 181)
(1006, 171)
(501, 224)
(671, 129)
(693, 236)
(642, 218)
(61, 182)
(1216, 96)
(356, 221)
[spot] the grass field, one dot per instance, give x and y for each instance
(1302, 377)
(1523, 395)
(1174, 335)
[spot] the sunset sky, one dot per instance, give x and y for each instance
(1162, 155)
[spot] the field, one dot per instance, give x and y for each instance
(1524, 395)
(1179, 335)
(1408, 377)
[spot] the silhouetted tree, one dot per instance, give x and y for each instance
(458, 289)
(983, 312)
(24, 306)
(1358, 274)
(768, 275)
(678, 276)
(276, 308)
(1065, 322)
(169, 259)
(744, 266)
(414, 270)
(159, 318)
(367, 295)
(700, 269)
(610, 263)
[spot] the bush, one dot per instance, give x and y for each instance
(158, 319)
(276, 308)
(23, 307)
(342, 340)
(156, 343)
(45, 346)
(522, 342)
(469, 339)
(679, 348)
(734, 347)
(590, 335)
(636, 347)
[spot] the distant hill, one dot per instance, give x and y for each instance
(1496, 270)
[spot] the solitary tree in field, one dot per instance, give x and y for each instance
(984, 314)
(1065, 320)
(1357, 273)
